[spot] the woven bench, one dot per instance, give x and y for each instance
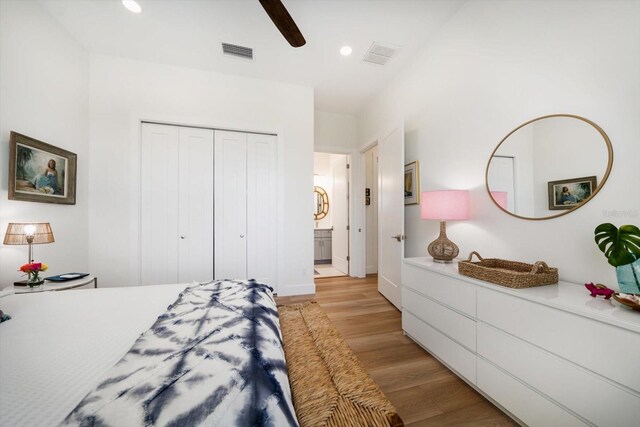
(329, 385)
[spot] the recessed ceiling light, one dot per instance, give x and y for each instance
(346, 50)
(132, 6)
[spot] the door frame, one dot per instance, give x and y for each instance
(358, 217)
(353, 248)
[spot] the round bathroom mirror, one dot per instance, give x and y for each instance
(321, 201)
(549, 166)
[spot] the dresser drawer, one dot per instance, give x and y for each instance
(599, 347)
(595, 399)
(524, 403)
(447, 290)
(452, 354)
(451, 323)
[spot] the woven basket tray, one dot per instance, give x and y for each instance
(511, 274)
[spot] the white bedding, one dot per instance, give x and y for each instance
(41, 380)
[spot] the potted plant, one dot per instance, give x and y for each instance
(621, 246)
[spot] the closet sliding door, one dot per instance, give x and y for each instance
(231, 205)
(176, 220)
(195, 205)
(159, 204)
(208, 205)
(261, 208)
(245, 206)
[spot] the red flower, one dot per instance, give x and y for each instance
(31, 267)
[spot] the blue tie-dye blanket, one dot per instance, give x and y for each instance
(214, 358)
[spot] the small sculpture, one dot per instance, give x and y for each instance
(599, 290)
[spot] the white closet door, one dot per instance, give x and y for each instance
(195, 205)
(230, 205)
(261, 208)
(159, 204)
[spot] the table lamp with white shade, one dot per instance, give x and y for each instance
(444, 205)
(28, 233)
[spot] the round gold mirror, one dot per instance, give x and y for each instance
(321, 202)
(549, 166)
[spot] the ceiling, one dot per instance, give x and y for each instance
(189, 33)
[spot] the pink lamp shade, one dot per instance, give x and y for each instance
(500, 197)
(445, 205)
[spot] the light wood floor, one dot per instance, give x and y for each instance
(423, 391)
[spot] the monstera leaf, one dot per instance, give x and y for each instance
(620, 246)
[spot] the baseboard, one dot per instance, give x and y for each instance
(371, 269)
(289, 290)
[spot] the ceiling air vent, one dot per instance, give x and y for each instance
(237, 51)
(379, 53)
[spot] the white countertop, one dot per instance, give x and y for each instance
(570, 297)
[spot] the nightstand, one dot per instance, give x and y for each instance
(87, 282)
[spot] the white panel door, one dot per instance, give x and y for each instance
(261, 208)
(159, 204)
(391, 215)
(339, 205)
(230, 205)
(195, 219)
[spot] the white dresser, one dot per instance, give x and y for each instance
(548, 356)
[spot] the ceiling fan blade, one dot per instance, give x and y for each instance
(285, 23)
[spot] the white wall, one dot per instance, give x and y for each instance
(44, 93)
(495, 65)
(335, 131)
(123, 92)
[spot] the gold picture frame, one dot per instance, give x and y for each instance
(40, 172)
(412, 183)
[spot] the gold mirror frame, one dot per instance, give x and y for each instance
(325, 203)
(597, 189)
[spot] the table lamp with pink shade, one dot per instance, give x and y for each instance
(444, 205)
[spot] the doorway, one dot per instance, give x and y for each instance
(371, 209)
(331, 215)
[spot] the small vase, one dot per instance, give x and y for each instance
(629, 277)
(34, 282)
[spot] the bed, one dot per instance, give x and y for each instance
(82, 358)
(61, 357)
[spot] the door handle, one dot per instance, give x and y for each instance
(242, 236)
(182, 237)
(399, 237)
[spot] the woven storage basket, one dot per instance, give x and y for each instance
(511, 274)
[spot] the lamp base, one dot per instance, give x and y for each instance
(442, 249)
